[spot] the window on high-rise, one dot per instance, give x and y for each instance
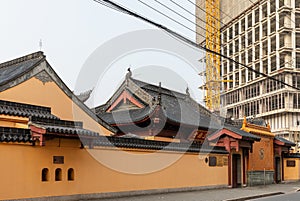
(272, 6)
(243, 41)
(264, 10)
(297, 21)
(265, 48)
(250, 20)
(264, 29)
(265, 66)
(236, 45)
(297, 40)
(256, 13)
(230, 33)
(249, 38)
(273, 63)
(230, 49)
(225, 36)
(298, 60)
(243, 58)
(273, 24)
(256, 68)
(250, 54)
(297, 3)
(256, 33)
(243, 25)
(236, 29)
(273, 43)
(257, 52)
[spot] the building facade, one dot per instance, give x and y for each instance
(265, 36)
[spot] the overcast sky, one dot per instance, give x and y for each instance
(73, 31)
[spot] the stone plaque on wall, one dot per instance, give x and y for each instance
(58, 159)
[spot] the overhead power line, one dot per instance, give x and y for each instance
(183, 38)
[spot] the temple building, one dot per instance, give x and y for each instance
(52, 146)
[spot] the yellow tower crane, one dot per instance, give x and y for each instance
(213, 42)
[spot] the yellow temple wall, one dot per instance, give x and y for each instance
(33, 91)
(291, 173)
(21, 170)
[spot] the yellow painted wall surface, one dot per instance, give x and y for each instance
(21, 167)
(49, 94)
(262, 156)
(292, 173)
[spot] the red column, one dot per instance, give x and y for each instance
(229, 169)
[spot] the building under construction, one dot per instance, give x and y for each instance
(264, 35)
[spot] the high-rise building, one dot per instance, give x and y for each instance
(264, 35)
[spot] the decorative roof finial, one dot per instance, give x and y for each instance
(159, 93)
(187, 91)
(129, 73)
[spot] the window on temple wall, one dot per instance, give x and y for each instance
(212, 161)
(58, 174)
(45, 174)
(70, 174)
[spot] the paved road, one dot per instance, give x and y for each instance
(286, 197)
(219, 194)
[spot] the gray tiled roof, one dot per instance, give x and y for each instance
(245, 135)
(25, 110)
(285, 141)
(15, 135)
(156, 145)
(57, 126)
(177, 107)
(13, 69)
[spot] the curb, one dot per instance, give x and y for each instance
(255, 196)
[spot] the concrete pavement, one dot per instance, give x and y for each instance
(237, 194)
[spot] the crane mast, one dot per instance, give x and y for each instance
(212, 41)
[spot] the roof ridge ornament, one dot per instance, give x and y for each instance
(159, 94)
(129, 73)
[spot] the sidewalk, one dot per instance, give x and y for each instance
(216, 194)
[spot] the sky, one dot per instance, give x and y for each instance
(91, 46)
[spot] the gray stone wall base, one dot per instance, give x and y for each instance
(255, 178)
(120, 194)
